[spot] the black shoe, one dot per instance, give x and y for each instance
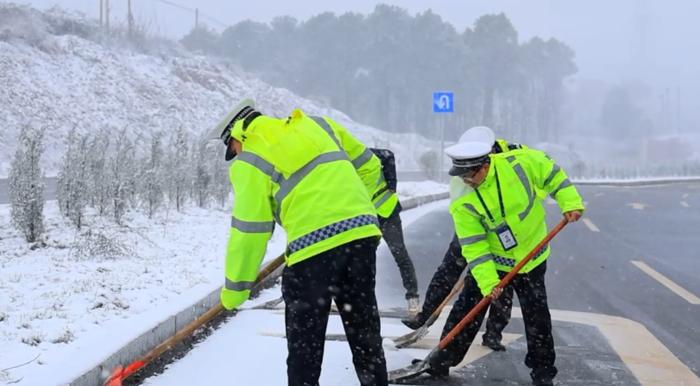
(435, 372)
(493, 345)
(414, 322)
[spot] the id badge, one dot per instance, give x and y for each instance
(506, 237)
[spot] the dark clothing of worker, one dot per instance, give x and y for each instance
(444, 279)
(391, 228)
(346, 275)
(532, 295)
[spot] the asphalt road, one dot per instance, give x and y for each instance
(594, 270)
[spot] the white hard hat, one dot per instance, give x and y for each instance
(479, 134)
(467, 155)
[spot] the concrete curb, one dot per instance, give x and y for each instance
(138, 347)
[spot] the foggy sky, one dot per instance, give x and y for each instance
(614, 40)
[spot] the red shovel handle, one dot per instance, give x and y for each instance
(504, 282)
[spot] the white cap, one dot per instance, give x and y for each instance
(467, 155)
(478, 134)
(223, 129)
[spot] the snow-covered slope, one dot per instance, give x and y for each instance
(59, 71)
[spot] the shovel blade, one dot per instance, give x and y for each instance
(411, 338)
(268, 305)
(401, 376)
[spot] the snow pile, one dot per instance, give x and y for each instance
(60, 72)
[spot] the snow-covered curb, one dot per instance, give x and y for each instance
(167, 328)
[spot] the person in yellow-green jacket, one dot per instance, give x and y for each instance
(298, 172)
(453, 263)
(499, 221)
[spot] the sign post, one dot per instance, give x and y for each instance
(443, 102)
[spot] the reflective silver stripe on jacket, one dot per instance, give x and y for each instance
(526, 184)
(239, 285)
(383, 198)
(564, 184)
(259, 163)
(328, 129)
(362, 158)
(252, 226)
(287, 185)
(479, 260)
(552, 174)
(329, 231)
(471, 240)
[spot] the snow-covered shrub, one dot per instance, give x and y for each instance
(27, 186)
(72, 181)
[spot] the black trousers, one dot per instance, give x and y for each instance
(393, 235)
(345, 274)
(444, 279)
(532, 295)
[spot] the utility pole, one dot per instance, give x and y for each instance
(196, 18)
(102, 12)
(107, 14)
(130, 19)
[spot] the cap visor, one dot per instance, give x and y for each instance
(230, 153)
(456, 171)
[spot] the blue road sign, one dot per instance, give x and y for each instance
(443, 102)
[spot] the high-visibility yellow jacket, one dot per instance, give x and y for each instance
(383, 196)
(520, 173)
(458, 187)
(299, 173)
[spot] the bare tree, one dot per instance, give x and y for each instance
(26, 185)
(151, 188)
(121, 174)
(73, 179)
(98, 180)
(201, 179)
(177, 172)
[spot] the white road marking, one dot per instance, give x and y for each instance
(680, 291)
(637, 205)
(685, 204)
(685, 195)
(645, 356)
(590, 225)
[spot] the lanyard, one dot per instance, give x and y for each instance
(500, 199)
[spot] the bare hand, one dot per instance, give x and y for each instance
(495, 293)
(572, 216)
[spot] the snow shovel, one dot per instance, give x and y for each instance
(419, 367)
(414, 336)
(268, 305)
(120, 373)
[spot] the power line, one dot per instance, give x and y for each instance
(194, 11)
